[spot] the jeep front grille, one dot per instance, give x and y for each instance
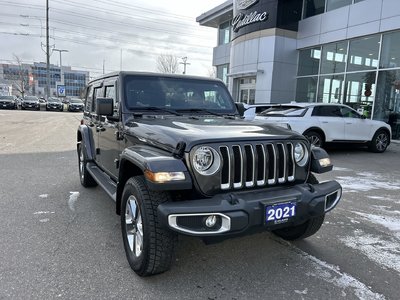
(251, 165)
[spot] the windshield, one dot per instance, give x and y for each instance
(53, 100)
(7, 97)
(31, 98)
(76, 101)
(186, 95)
(286, 111)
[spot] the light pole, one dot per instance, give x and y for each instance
(61, 71)
(60, 50)
(184, 63)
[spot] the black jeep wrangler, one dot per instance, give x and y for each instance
(176, 156)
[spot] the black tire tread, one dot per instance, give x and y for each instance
(161, 241)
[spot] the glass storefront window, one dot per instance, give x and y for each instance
(330, 89)
(334, 58)
(313, 7)
(222, 72)
(224, 33)
(387, 100)
(359, 91)
(309, 61)
(334, 4)
(390, 56)
(363, 53)
(306, 89)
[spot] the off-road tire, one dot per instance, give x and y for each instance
(306, 229)
(85, 177)
(157, 243)
(379, 142)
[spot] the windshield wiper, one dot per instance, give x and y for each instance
(155, 108)
(200, 110)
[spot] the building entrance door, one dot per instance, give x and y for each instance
(247, 90)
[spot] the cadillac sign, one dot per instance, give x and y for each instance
(242, 20)
(248, 12)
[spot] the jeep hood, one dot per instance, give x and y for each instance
(168, 132)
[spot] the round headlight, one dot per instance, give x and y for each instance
(300, 154)
(206, 160)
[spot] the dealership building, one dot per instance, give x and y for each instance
(331, 51)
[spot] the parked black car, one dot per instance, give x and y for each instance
(30, 102)
(75, 104)
(54, 104)
(176, 155)
(8, 102)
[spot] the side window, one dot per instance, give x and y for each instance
(326, 111)
(89, 99)
(110, 93)
(349, 113)
(98, 93)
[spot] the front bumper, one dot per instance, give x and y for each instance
(8, 105)
(30, 106)
(240, 211)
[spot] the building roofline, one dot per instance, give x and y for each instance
(217, 15)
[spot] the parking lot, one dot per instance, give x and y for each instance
(60, 240)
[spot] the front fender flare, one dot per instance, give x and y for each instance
(85, 138)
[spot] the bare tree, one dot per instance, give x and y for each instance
(212, 72)
(167, 63)
(21, 77)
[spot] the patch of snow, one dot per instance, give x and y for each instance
(332, 274)
(367, 182)
(383, 252)
(44, 220)
(301, 292)
(43, 196)
(390, 223)
(340, 169)
(43, 212)
(377, 197)
(72, 199)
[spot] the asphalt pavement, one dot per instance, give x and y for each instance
(62, 241)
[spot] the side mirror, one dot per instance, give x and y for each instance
(240, 107)
(104, 106)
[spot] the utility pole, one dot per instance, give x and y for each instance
(184, 63)
(103, 65)
(47, 52)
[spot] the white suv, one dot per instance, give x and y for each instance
(329, 122)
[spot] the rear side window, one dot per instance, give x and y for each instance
(98, 93)
(326, 111)
(89, 99)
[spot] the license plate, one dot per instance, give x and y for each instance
(279, 213)
(4, 105)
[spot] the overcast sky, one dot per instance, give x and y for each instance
(94, 31)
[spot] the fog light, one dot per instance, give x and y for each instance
(325, 162)
(211, 221)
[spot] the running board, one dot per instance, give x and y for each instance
(102, 179)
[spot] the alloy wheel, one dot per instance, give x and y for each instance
(134, 226)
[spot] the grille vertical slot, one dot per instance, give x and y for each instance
(238, 167)
(271, 164)
(250, 165)
(290, 159)
(261, 164)
(281, 158)
(226, 168)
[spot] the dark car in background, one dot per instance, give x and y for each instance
(30, 102)
(8, 102)
(75, 104)
(54, 104)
